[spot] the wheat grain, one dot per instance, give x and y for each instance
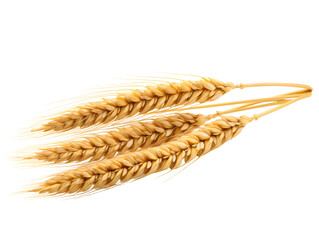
(140, 135)
(133, 165)
(160, 96)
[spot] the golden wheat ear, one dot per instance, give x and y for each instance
(153, 97)
(139, 135)
(110, 172)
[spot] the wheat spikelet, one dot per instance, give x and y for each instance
(110, 172)
(140, 135)
(160, 96)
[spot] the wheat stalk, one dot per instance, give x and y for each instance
(110, 172)
(139, 135)
(161, 96)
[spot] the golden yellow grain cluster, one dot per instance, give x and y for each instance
(125, 105)
(133, 165)
(140, 135)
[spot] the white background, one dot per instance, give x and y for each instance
(261, 185)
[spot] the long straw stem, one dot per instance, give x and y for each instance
(270, 84)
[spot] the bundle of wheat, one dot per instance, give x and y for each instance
(153, 144)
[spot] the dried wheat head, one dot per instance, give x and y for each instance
(139, 135)
(155, 97)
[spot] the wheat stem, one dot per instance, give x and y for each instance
(270, 84)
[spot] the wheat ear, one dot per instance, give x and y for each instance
(139, 135)
(109, 172)
(159, 96)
